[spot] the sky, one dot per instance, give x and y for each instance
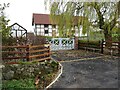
(20, 11)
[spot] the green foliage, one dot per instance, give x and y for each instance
(21, 83)
(103, 15)
(116, 37)
(96, 35)
(89, 42)
(93, 35)
(9, 41)
(116, 34)
(54, 65)
(65, 19)
(4, 29)
(45, 73)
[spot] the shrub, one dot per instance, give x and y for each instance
(89, 42)
(25, 74)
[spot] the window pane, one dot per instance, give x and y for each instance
(46, 31)
(46, 25)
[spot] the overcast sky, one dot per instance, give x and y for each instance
(20, 11)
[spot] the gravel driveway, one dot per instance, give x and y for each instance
(97, 73)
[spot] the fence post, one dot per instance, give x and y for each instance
(76, 43)
(48, 48)
(102, 46)
(27, 54)
(48, 51)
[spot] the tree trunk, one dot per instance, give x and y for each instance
(108, 42)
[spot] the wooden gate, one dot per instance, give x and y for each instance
(61, 43)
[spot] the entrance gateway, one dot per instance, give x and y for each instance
(61, 44)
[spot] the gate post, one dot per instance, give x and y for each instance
(76, 43)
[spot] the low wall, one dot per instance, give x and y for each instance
(27, 70)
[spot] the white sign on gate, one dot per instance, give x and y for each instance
(61, 43)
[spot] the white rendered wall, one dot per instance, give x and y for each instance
(50, 34)
(49, 26)
(42, 26)
(50, 30)
(41, 30)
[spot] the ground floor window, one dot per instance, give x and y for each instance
(46, 31)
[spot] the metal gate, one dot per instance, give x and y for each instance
(61, 43)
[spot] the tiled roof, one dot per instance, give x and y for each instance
(41, 19)
(45, 19)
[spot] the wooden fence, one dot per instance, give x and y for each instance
(90, 46)
(113, 49)
(26, 53)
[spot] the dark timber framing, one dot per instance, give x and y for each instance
(39, 27)
(21, 30)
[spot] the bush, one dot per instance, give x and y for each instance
(9, 41)
(37, 40)
(89, 42)
(23, 75)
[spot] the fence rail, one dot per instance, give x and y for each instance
(113, 49)
(25, 53)
(90, 46)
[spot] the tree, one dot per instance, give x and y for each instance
(4, 29)
(99, 14)
(65, 18)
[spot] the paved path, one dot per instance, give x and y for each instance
(97, 73)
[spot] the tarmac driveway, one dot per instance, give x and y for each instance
(97, 73)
